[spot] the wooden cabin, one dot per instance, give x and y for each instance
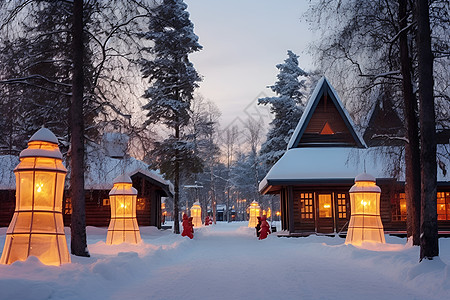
(324, 155)
(99, 176)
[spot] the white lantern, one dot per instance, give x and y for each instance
(254, 212)
(365, 221)
(37, 227)
(123, 226)
(196, 214)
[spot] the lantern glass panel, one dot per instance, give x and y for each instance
(46, 163)
(44, 190)
(23, 223)
(45, 246)
(43, 222)
(27, 163)
(24, 196)
(59, 191)
(19, 244)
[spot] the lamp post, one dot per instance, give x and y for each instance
(123, 226)
(254, 211)
(196, 214)
(37, 227)
(365, 221)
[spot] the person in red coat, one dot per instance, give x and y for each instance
(207, 221)
(265, 229)
(188, 229)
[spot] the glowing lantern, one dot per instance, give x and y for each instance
(365, 222)
(255, 212)
(37, 227)
(123, 227)
(196, 214)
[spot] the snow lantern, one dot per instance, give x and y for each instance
(196, 214)
(37, 227)
(123, 226)
(365, 222)
(255, 211)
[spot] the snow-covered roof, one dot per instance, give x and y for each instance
(7, 177)
(313, 101)
(332, 165)
(100, 172)
(44, 135)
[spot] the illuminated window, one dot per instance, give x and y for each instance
(399, 208)
(106, 202)
(443, 205)
(325, 206)
(342, 206)
(306, 205)
(68, 206)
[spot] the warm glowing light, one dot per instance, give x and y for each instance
(37, 228)
(254, 211)
(327, 206)
(123, 227)
(39, 187)
(365, 221)
(278, 213)
(196, 214)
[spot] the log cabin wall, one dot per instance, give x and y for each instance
(7, 206)
(307, 214)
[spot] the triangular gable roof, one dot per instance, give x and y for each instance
(384, 124)
(324, 87)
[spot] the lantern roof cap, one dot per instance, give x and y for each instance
(123, 179)
(365, 177)
(44, 135)
(197, 203)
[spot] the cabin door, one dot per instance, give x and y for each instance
(324, 212)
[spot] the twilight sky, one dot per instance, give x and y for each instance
(242, 41)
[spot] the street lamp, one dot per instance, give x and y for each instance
(37, 227)
(123, 226)
(255, 212)
(365, 221)
(196, 214)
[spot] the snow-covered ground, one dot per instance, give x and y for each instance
(226, 261)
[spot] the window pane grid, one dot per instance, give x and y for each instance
(306, 205)
(443, 205)
(342, 206)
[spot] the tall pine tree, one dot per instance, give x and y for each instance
(172, 79)
(286, 106)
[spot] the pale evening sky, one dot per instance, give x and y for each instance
(243, 41)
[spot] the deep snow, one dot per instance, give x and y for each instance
(226, 261)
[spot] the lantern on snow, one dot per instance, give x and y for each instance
(196, 214)
(365, 222)
(254, 212)
(37, 227)
(123, 226)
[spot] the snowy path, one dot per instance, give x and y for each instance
(226, 261)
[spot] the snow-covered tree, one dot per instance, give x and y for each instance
(172, 79)
(286, 106)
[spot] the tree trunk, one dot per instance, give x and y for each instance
(176, 197)
(429, 246)
(78, 222)
(412, 150)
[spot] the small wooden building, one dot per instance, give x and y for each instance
(325, 154)
(100, 173)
